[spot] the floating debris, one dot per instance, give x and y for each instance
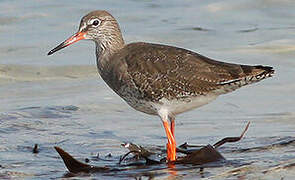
(197, 29)
(75, 166)
(205, 155)
(139, 152)
(35, 149)
(199, 156)
(87, 160)
(109, 155)
(282, 143)
(248, 30)
(231, 139)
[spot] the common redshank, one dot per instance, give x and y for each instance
(158, 79)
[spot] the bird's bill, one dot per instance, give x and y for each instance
(75, 38)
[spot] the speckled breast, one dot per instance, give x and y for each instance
(136, 100)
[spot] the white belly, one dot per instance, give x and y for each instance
(174, 107)
(179, 106)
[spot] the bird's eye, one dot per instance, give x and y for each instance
(95, 22)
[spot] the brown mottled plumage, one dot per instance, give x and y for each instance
(159, 79)
(160, 71)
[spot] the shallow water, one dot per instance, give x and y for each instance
(61, 101)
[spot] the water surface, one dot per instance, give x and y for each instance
(61, 101)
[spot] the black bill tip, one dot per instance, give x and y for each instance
(57, 48)
(74, 38)
(50, 52)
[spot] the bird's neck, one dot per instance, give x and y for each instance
(106, 48)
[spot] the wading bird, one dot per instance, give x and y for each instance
(159, 79)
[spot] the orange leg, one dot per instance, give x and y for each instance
(172, 126)
(171, 145)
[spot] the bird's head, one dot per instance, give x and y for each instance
(99, 26)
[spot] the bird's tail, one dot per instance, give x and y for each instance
(263, 71)
(251, 74)
(256, 73)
